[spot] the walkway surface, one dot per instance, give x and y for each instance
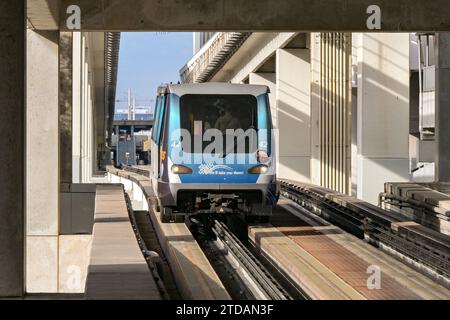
(117, 268)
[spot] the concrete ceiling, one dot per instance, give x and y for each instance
(242, 15)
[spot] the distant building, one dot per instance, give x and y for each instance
(131, 130)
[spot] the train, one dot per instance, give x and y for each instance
(213, 151)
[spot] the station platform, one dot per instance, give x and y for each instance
(329, 263)
(117, 269)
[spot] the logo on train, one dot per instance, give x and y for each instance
(220, 169)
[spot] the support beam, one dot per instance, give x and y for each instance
(442, 167)
(383, 112)
(256, 15)
(12, 155)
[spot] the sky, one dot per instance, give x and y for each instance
(148, 59)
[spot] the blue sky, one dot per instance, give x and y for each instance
(148, 59)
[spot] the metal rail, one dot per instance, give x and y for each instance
(369, 222)
(261, 283)
(148, 255)
(132, 169)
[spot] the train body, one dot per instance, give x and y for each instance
(213, 151)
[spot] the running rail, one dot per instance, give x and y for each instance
(267, 286)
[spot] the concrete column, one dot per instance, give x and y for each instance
(316, 101)
(84, 112)
(90, 134)
(293, 91)
(65, 106)
(442, 167)
(267, 79)
(42, 193)
(76, 107)
(383, 112)
(12, 106)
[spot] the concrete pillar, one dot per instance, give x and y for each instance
(293, 91)
(267, 79)
(65, 106)
(383, 112)
(12, 106)
(76, 106)
(42, 193)
(442, 167)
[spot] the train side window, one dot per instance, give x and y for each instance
(162, 119)
(158, 119)
(155, 118)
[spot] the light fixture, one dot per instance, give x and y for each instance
(180, 169)
(259, 169)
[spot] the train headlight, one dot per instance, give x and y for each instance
(180, 169)
(259, 169)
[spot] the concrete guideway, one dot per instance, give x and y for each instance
(117, 268)
(251, 15)
(194, 276)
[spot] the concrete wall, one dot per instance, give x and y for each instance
(293, 95)
(383, 112)
(267, 79)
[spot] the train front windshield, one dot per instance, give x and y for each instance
(233, 117)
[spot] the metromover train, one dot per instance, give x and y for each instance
(213, 151)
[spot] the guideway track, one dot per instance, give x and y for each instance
(260, 282)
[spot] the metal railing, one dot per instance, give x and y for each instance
(222, 47)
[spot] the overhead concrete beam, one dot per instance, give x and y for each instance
(254, 15)
(43, 14)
